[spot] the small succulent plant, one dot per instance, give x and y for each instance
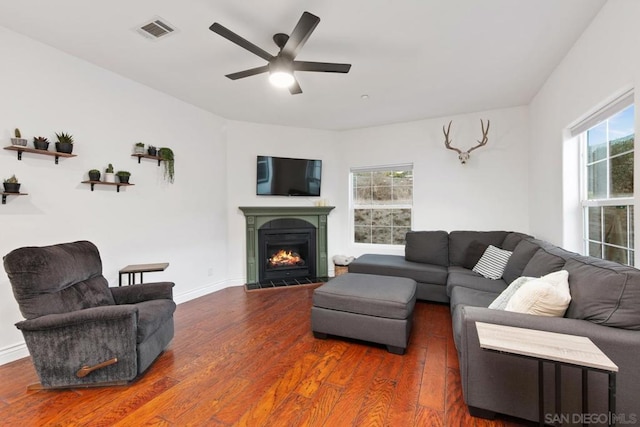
(123, 173)
(139, 144)
(17, 133)
(109, 168)
(64, 137)
(12, 180)
(41, 139)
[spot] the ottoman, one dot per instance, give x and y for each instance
(365, 307)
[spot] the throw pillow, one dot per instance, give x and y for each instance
(500, 303)
(546, 296)
(474, 253)
(492, 263)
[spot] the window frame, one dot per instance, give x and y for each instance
(603, 115)
(353, 206)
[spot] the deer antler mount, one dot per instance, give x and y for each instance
(464, 155)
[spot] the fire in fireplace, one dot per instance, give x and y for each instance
(287, 249)
(284, 258)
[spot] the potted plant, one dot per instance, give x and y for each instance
(108, 174)
(40, 143)
(65, 143)
(11, 185)
(166, 154)
(18, 140)
(123, 176)
(139, 148)
(152, 151)
(94, 175)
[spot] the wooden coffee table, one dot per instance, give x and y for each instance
(559, 349)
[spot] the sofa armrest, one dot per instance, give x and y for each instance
(103, 314)
(143, 292)
(507, 384)
(599, 334)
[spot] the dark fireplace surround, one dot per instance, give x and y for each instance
(286, 249)
(299, 232)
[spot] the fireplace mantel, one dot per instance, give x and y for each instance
(257, 216)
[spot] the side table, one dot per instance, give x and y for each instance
(131, 270)
(559, 349)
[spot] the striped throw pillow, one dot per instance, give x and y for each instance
(492, 263)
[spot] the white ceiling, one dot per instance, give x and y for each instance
(415, 59)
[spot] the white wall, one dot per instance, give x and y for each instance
(487, 193)
(46, 91)
(248, 140)
(602, 63)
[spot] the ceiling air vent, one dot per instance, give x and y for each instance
(156, 28)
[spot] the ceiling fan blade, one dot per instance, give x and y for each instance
(300, 34)
(234, 38)
(295, 88)
(248, 73)
(325, 67)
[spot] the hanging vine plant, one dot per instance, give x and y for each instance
(166, 154)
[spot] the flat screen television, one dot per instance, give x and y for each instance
(283, 176)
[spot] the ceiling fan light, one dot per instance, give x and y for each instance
(281, 79)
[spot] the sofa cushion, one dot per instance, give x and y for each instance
(548, 259)
(512, 239)
(604, 292)
(459, 242)
(501, 301)
(428, 247)
(397, 265)
(519, 259)
(471, 297)
(545, 296)
(472, 280)
(492, 262)
(543, 263)
(474, 253)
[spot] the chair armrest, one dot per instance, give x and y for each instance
(143, 292)
(95, 314)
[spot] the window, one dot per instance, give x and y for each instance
(607, 181)
(382, 199)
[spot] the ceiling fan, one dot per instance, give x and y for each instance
(282, 66)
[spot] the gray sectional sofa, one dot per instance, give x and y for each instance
(605, 307)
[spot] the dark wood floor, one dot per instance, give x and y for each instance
(249, 358)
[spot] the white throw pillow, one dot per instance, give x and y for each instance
(492, 262)
(546, 296)
(501, 301)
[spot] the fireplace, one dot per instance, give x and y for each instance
(286, 250)
(298, 231)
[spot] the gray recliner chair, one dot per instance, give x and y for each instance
(79, 331)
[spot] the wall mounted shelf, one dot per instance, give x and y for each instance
(5, 194)
(146, 156)
(22, 149)
(117, 184)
